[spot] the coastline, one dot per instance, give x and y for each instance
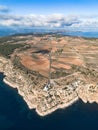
(84, 95)
(50, 111)
(21, 93)
(63, 106)
(10, 84)
(65, 88)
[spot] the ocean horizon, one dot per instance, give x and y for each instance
(13, 31)
(52, 45)
(15, 113)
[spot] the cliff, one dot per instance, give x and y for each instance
(48, 89)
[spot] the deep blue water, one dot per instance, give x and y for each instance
(81, 34)
(15, 114)
(5, 31)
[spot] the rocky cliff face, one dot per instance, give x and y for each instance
(73, 73)
(63, 91)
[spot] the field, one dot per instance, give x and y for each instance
(50, 55)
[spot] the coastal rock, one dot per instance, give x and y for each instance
(52, 74)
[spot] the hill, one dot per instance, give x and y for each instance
(50, 71)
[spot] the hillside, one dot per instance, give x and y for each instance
(51, 71)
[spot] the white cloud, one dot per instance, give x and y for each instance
(87, 23)
(54, 20)
(51, 21)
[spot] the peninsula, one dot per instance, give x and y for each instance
(50, 71)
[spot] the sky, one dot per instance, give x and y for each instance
(52, 6)
(70, 14)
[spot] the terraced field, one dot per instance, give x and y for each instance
(51, 71)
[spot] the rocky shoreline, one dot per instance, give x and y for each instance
(47, 80)
(58, 97)
(81, 93)
(61, 106)
(64, 106)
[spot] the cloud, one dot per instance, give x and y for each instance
(54, 20)
(79, 23)
(89, 23)
(4, 9)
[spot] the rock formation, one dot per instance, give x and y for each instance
(46, 87)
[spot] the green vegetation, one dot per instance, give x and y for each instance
(58, 73)
(5, 39)
(7, 49)
(59, 51)
(26, 47)
(17, 64)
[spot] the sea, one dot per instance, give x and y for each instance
(16, 115)
(12, 31)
